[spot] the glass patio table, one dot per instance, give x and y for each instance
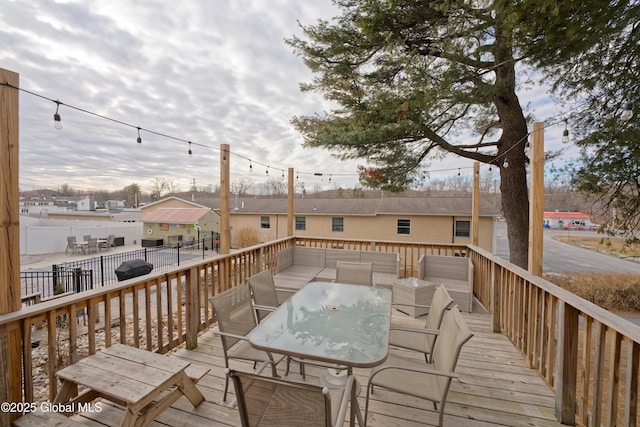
(330, 322)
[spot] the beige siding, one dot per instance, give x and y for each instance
(426, 229)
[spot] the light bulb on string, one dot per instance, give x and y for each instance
(190, 152)
(267, 170)
(627, 111)
(458, 171)
(490, 170)
(505, 164)
(565, 133)
(250, 166)
(57, 123)
(329, 178)
(139, 140)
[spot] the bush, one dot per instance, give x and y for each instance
(616, 292)
(245, 236)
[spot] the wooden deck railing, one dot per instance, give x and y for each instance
(586, 354)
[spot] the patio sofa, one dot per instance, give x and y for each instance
(455, 273)
(300, 265)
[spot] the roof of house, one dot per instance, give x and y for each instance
(567, 215)
(382, 206)
(175, 215)
(158, 202)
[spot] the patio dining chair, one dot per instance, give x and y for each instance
(355, 273)
(72, 245)
(106, 245)
(423, 340)
(265, 401)
(236, 319)
(265, 294)
(265, 297)
(430, 382)
(92, 245)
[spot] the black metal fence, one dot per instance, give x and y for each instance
(82, 275)
(46, 284)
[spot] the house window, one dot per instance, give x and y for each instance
(265, 222)
(301, 223)
(404, 226)
(337, 224)
(463, 229)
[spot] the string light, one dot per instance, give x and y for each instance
(458, 171)
(505, 164)
(565, 132)
(250, 166)
(627, 111)
(57, 123)
(190, 152)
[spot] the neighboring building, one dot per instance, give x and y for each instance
(127, 215)
(568, 221)
(175, 220)
(114, 205)
(425, 219)
(87, 203)
(39, 207)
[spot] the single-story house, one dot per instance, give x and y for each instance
(173, 221)
(420, 219)
(568, 221)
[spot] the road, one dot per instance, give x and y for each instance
(559, 257)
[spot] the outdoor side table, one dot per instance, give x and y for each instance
(413, 291)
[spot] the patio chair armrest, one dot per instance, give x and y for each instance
(264, 307)
(230, 335)
(413, 369)
(409, 305)
(287, 291)
(416, 330)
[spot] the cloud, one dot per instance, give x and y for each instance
(208, 72)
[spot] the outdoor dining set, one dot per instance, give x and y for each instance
(337, 326)
(89, 244)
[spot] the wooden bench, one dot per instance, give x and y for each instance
(455, 273)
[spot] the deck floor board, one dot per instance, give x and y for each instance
(495, 388)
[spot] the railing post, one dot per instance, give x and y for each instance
(76, 280)
(102, 275)
(496, 300)
(566, 364)
(192, 308)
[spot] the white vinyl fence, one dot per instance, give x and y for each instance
(46, 236)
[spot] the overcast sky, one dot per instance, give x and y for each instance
(210, 72)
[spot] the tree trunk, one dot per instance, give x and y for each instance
(515, 206)
(513, 179)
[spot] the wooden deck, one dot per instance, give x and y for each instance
(495, 388)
